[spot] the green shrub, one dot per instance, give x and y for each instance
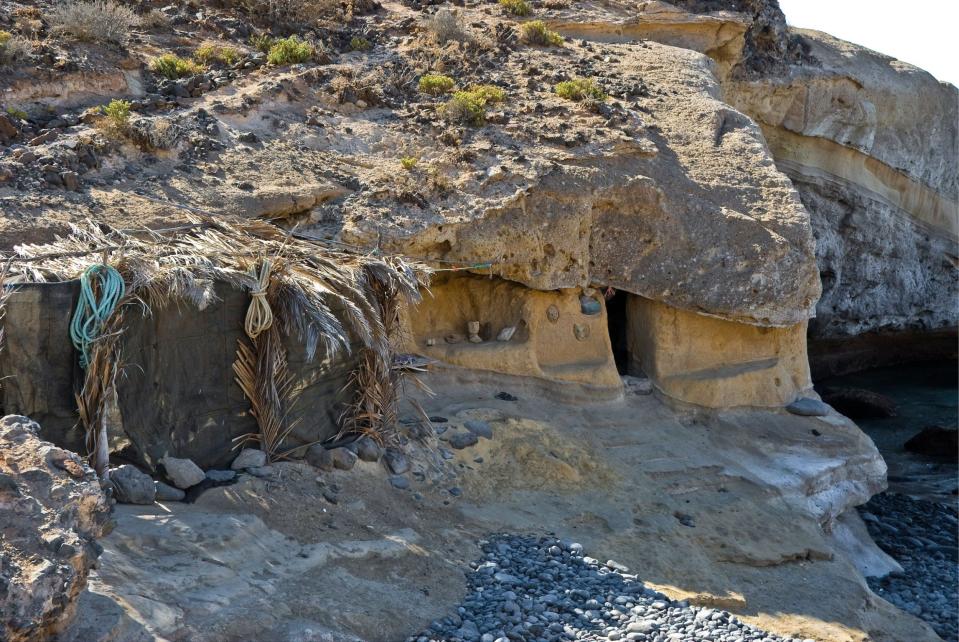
(409, 162)
(359, 44)
(173, 67)
(435, 84)
(211, 52)
(580, 89)
(515, 7)
(17, 113)
(535, 32)
(116, 120)
(469, 107)
(262, 42)
(289, 51)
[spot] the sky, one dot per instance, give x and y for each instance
(924, 33)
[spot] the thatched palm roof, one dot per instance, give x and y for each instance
(308, 280)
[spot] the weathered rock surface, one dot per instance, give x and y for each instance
(848, 131)
(51, 513)
(846, 125)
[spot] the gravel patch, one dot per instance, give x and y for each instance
(545, 589)
(922, 537)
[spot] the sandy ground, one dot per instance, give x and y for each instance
(723, 509)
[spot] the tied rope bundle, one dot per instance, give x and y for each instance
(259, 316)
(92, 312)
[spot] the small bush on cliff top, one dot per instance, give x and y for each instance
(13, 48)
(469, 107)
(435, 84)
(515, 7)
(446, 25)
(116, 119)
(96, 21)
(289, 51)
(359, 44)
(173, 67)
(535, 32)
(211, 52)
(262, 42)
(580, 89)
(409, 162)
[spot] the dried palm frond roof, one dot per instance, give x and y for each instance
(315, 292)
(184, 263)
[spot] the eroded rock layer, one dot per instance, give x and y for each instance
(51, 512)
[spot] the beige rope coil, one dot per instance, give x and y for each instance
(259, 316)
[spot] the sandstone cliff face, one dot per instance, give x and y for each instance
(51, 512)
(869, 142)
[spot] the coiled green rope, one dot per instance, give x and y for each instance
(92, 314)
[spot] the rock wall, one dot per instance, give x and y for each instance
(717, 363)
(553, 339)
(869, 142)
(871, 145)
(51, 512)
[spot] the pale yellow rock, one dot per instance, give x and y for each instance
(573, 348)
(717, 363)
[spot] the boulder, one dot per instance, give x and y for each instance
(221, 476)
(182, 472)
(396, 461)
(479, 428)
(131, 485)
(808, 407)
(464, 439)
(935, 441)
(51, 512)
(249, 458)
(859, 403)
(368, 450)
(319, 457)
(167, 493)
(343, 458)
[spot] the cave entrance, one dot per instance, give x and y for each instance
(618, 322)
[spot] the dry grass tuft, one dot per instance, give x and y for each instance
(446, 25)
(13, 49)
(94, 21)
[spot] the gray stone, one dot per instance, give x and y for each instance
(368, 450)
(396, 461)
(167, 493)
(319, 457)
(400, 482)
(343, 458)
(479, 428)
(249, 458)
(807, 407)
(260, 471)
(465, 439)
(131, 485)
(182, 472)
(221, 475)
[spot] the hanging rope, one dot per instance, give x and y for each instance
(259, 316)
(92, 314)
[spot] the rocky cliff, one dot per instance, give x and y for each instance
(51, 513)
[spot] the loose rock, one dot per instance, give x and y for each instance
(167, 493)
(182, 472)
(132, 486)
(249, 458)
